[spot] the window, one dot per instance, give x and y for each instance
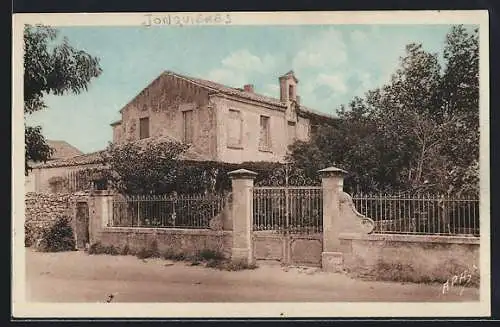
(187, 126)
(143, 128)
(265, 141)
(313, 130)
(292, 132)
(234, 128)
(290, 92)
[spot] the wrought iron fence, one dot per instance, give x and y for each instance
(288, 209)
(175, 211)
(421, 214)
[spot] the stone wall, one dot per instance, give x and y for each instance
(163, 102)
(183, 241)
(415, 258)
(217, 237)
(42, 210)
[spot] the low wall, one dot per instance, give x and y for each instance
(42, 210)
(186, 241)
(413, 258)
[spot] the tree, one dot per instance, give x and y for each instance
(50, 68)
(144, 168)
(419, 132)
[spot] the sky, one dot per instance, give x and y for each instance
(334, 63)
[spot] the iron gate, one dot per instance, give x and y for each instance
(288, 224)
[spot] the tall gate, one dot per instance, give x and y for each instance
(288, 224)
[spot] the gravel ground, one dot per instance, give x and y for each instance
(79, 277)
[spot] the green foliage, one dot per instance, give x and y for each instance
(155, 168)
(59, 237)
(143, 168)
(50, 67)
(419, 132)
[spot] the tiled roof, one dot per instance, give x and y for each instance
(308, 111)
(192, 154)
(84, 159)
(230, 90)
(63, 149)
(250, 95)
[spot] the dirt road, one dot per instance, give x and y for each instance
(79, 277)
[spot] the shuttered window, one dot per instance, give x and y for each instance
(144, 128)
(187, 126)
(234, 128)
(265, 141)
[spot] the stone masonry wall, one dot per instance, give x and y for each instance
(415, 258)
(163, 102)
(183, 241)
(42, 210)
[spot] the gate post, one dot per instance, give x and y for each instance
(332, 181)
(242, 185)
(100, 215)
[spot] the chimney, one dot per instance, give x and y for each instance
(248, 88)
(288, 87)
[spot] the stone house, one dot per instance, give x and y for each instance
(61, 150)
(223, 123)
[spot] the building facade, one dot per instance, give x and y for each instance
(223, 123)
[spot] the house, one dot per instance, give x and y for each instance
(61, 150)
(52, 176)
(223, 123)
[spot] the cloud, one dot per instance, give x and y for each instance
(272, 90)
(335, 82)
(237, 67)
(243, 60)
(326, 49)
(227, 76)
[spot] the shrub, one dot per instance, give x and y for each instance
(59, 237)
(95, 248)
(98, 248)
(28, 235)
(208, 255)
(150, 252)
(236, 266)
(125, 250)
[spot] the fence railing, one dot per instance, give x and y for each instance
(421, 214)
(178, 211)
(288, 209)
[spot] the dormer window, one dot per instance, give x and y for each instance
(290, 92)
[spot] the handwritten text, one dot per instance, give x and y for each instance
(187, 19)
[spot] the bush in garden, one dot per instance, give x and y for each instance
(59, 237)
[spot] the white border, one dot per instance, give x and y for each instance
(337, 309)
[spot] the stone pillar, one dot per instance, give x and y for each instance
(100, 215)
(332, 181)
(242, 185)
